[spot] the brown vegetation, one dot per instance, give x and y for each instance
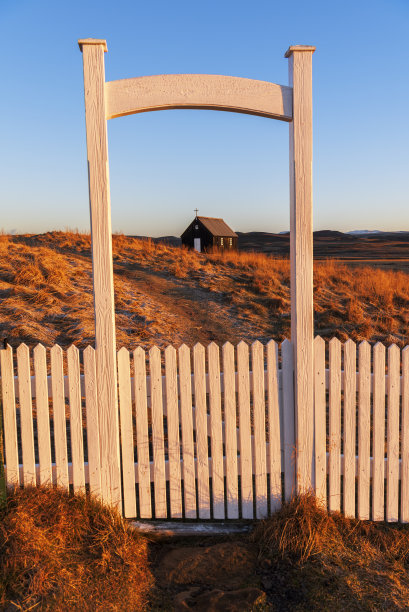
(166, 294)
(64, 552)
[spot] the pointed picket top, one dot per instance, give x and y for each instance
(184, 350)
(89, 350)
(199, 349)
(138, 352)
(154, 351)
(379, 348)
(349, 343)
(334, 342)
(228, 346)
(72, 350)
(364, 344)
(169, 350)
(22, 349)
(242, 345)
(123, 352)
(405, 352)
(393, 350)
(39, 349)
(257, 345)
(56, 349)
(285, 342)
(228, 351)
(272, 345)
(213, 346)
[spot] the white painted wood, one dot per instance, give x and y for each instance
(259, 416)
(102, 268)
(186, 418)
(404, 509)
(230, 417)
(26, 415)
(334, 425)
(142, 434)
(364, 430)
(378, 506)
(9, 416)
(246, 457)
(392, 486)
(91, 404)
(203, 91)
(43, 414)
(59, 418)
(216, 436)
(157, 433)
(127, 440)
(320, 421)
(302, 328)
(202, 452)
(77, 446)
(287, 357)
(349, 427)
(274, 446)
(172, 413)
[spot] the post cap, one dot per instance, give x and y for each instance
(93, 41)
(294, 48)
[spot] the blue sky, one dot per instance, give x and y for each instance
(164, 164)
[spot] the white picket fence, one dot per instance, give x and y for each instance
(209, 433)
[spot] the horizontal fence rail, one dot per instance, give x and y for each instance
(208, 432)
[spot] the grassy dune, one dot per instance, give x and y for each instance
(166, 294)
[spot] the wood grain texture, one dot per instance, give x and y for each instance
(216, 435)
(26, 414)
(246, 454)
(201, 91)
(202, 452)
(334, 425)
(230, 418)
(287, 357)
(186, 418)
(378, 485)
(364, 430)
(392, 474)
(404, 509)
(9, 416)
(157, 433)
(43, 414)
(172, 415)
(320, 421)
(102, 269)
(60, 431)
(300, 79)
(77, 447)
(259, 416)
(274, 442)
(349, 427)
(142, 433)
(91, 404)
(127, 450)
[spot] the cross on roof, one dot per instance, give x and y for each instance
(196, 211)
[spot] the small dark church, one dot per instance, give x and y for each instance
(205, 233)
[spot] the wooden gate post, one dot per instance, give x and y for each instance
(301, 252)
(102, 268)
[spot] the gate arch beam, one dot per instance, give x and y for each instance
(199, 91)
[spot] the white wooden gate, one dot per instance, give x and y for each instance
(293, 104)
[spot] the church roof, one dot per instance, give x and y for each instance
(217, 227)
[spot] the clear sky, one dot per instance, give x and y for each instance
(164, 164)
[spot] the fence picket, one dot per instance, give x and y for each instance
(378, 483)
(334, 425)
(9, 416)
(274, 442)
(77, 445)
(91, 403)
(216, 435)
(349, 427)
(320, 454)
(392, 485)
(126, 428)
(26, 414)
(202, 451)
(186, 417)
(172, 415)
(159, 478)
(364, 430)
(404, 508)
(230, 418)
(43, 415)
(259, 414)
(60, 431)
(288, 420)
(246, 460)
(142, 434)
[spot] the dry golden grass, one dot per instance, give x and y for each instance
(63, 552)
(319, 561)
(170, 295)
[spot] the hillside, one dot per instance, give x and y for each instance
(166, 294)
